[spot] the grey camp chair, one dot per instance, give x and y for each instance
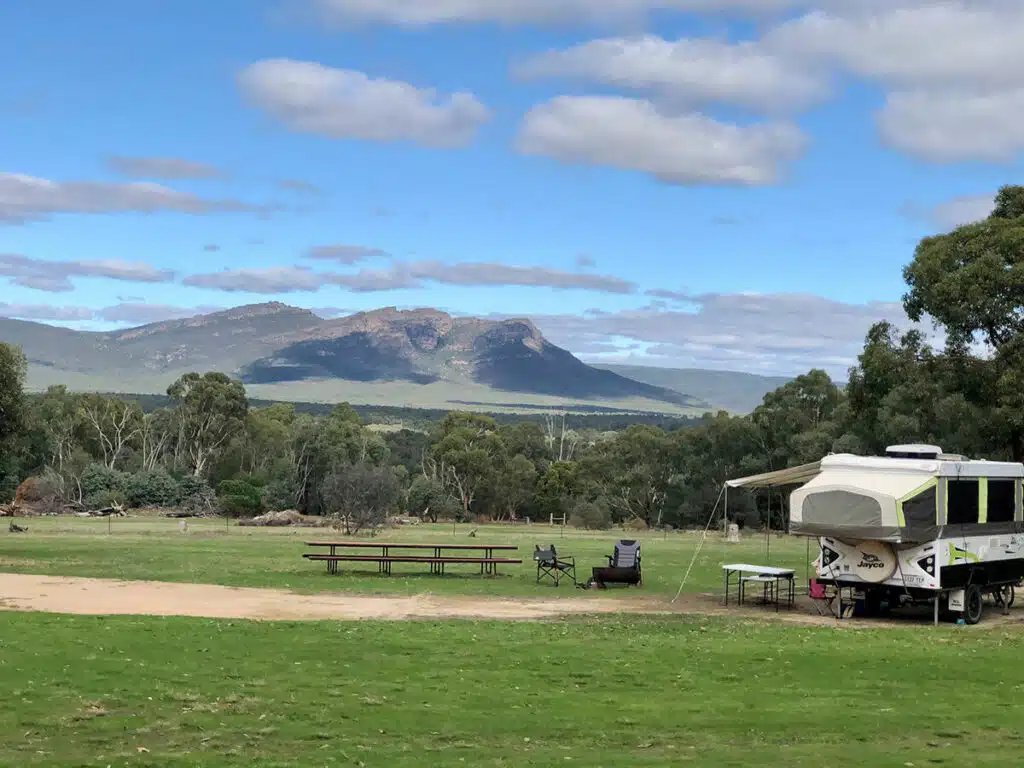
(623, 565)
(551, 565)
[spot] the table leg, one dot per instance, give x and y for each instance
(727, 589)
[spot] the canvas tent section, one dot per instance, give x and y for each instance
(855, 497)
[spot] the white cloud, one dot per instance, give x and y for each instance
(345, 254)
(427, 12)
(951, 68)
(161, 168)
(260, 280)
(945, 126)
(962, 210)
(770, 333)
(272, 280)
(489, 273)
(633, 134)
(143, 313)
(943, 44)
(343, 104)
(696, 71)
(28, 198)
(55, 276)
(44, 312)
(125, 312)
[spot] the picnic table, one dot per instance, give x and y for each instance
(437, 559)
(765, 575)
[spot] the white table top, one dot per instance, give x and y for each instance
(766, 570)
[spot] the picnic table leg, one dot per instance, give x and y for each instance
(727, 588)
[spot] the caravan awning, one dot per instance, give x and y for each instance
(790, 476)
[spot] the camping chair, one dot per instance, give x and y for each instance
(822, 597)
(623, 565)
(549, 564)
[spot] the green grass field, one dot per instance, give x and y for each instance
(213, 553)
(94, 691)
(614, 691)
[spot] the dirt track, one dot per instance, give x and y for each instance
(57, 594)
(62, 594)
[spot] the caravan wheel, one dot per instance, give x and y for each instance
(974, 604)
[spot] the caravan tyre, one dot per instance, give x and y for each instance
(973, 604)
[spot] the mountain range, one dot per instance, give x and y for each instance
(418, 358)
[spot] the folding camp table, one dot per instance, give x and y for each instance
(761, 574)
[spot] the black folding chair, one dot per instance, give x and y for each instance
(551, 566)
(623, 565)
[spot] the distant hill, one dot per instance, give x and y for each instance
(732, 390)
(419, 358)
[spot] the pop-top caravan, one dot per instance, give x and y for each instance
(916, 525)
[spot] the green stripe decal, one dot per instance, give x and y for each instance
(982, 499)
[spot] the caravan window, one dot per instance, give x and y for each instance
(919, 511)
(962, 501)
(1000, 500)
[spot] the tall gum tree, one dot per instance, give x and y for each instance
(211, 409)
(970, 281)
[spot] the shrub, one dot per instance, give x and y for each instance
(591, 515)
(429, 499)
(360, 496)
(239, 497)
(107, 497)
(196, 495)
(279, 495)
(98, 482)
(155, 488)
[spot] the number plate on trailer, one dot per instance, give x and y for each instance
(956, 600)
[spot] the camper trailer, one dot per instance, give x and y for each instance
(916, 525)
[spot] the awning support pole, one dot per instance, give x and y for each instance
(700, 544)
(725, 515)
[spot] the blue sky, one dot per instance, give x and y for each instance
(765, 171)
